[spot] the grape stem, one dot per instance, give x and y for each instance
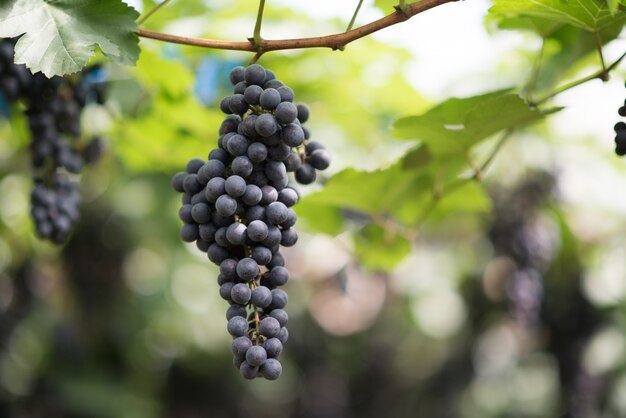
(152, 11)
(602, 74)
(257, 39)
(356, 12)
(335, 41)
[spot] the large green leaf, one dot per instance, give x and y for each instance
(457, 124)
(589, 15)
(60, 36)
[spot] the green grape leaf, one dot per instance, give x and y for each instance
(386, 6)
(378, 249)
(60, 36)
(319, 218)
(457, 124)
(589, 15)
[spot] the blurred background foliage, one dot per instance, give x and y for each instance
(417, 290)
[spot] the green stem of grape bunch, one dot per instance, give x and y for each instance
(257, 26)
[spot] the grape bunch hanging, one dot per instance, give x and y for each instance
(237, 207)
(620, 133)
(53, 110)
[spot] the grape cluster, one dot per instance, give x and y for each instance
(237, 207)
(53, 110)
(620, 133)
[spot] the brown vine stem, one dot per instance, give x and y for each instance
(336, 41)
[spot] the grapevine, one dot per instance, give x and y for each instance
(237, 207)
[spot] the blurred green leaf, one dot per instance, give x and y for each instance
(60, 36)
(319, 218)
(457, 124)
(379, 249)
(589, 15)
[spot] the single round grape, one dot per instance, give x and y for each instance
(262, 255)
(237, 145)
(220, 237)
(280, 315)
(319, 159)
(279, 276)
(289, 196)
(269, 327)
(179, 178)
(270, 99)
(286, 113)
(210, 170)
(189, 232)
(229, 124)
(225, 205)
(252, 94)
(237, 310)
(191, 184)
(271, 369)
(255, 74)
(256, 355)
(207, 232)
(283, 336)
(235, 186)
(252, 195)
(240, 88)
(225, 290)
(266, 125)
(303, 113)
(305, 174)
(247, 269)
(257, 152)
(242, 344)
(261, 297)
(247, 371)
(619, 126)
(218, 154)
(240, 293)
(279, 299)
(217, 253)
(194, 165)
(228, 268)
(215, 188)
(276, 212)
(237, 74)
(292, 135)
(184, 213)
(236, 233)
(257, 230)
(273, 347)
(225, 105)
(242, 166)
(275, 171)
(237, 325)
(238, 104)
(269, 195)
(201, 213)
(289, 237)
(286, 93)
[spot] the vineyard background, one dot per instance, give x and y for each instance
(504, 297)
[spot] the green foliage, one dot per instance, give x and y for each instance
(61, 36)
(589, 15)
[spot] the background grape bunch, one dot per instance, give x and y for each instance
(620, 133)
(53, 108)
(237, 208)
